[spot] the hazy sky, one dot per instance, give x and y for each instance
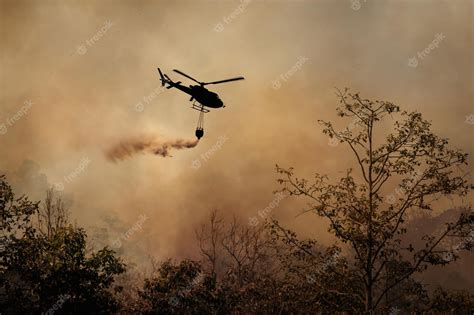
(73, 74)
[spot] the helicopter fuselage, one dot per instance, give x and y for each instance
(201, 95)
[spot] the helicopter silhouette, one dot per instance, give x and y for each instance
(201, 97)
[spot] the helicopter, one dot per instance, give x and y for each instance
(201, 97)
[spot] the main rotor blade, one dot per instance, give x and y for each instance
(187, 76)
(223, 81)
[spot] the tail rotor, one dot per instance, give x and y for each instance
(162, 78)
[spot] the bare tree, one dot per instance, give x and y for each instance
(53, 214)
(208, 239)
(236, 248)
(415, 165)
(248, 274)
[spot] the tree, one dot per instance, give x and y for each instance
(243, 261)
(260, 269)
(233, 247)
(42, 270)
(451, 302)
(181, 288)
(239, 272)
(317, 279)
(53, 215)
(410, 161)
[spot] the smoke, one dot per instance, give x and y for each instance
(127, 148)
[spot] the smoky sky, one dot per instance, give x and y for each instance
(89, 70)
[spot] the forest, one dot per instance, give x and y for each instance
(375, 265)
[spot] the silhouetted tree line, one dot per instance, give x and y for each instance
(46, 266)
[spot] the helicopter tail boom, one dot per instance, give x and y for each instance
(166, 80)
(163, 79)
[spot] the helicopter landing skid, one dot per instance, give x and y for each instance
(200, 107)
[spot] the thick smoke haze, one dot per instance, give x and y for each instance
(89, 70)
